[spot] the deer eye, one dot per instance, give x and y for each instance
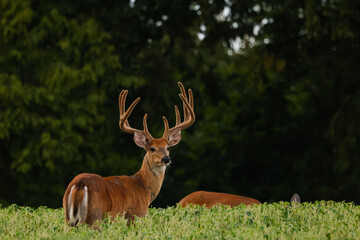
(152, 149)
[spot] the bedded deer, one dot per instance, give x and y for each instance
(211, 199)
(90, 197)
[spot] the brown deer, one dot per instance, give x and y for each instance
(90, 197)
(211, 199)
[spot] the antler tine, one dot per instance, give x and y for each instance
(122, 98)
(166, 123)
(191, 119)
(177, 114)
(146, 130)
(189, 114)
(191, 98)
(121, 109)
(183, 92)
(124, 115)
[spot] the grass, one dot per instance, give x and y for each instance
(319, 220)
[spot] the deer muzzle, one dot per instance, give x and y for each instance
(166, 160)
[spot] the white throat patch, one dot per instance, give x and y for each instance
(159, 170)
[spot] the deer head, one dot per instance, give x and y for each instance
(158, 148)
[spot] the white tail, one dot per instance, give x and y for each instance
(77, 209)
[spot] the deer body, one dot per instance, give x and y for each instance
(111, 195)
(210, 199)
(90, 197)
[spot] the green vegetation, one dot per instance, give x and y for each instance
(319, 220)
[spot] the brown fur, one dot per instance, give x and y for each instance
(128, 196)
(76, 198)
(210, 199)
(117, 195)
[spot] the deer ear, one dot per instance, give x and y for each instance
(140, 139)
(174, 137)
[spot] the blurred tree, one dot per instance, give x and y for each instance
(278, 118)
(275, 84)
(52, 93)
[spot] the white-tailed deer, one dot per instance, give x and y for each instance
(211, 199)
(90, 197)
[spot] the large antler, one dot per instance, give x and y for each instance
(124, 115)
(189, 114)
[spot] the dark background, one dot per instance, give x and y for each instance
(276, 87)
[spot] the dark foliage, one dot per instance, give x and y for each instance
(276, 88)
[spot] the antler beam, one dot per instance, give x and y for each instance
(189, 114)
(124, 115)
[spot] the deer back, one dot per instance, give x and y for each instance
(210, 199)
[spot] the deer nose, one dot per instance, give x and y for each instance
(166, 160)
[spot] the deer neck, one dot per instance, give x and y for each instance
(152, 177)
